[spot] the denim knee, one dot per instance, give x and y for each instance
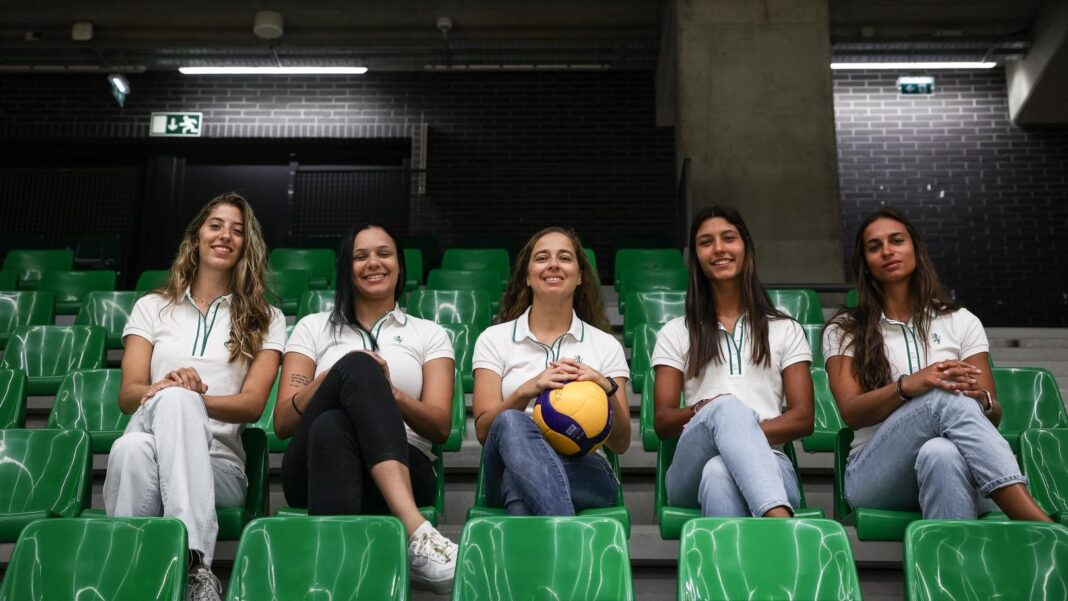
(945, 400)
(726, 409)
(714, 475)
(939, 455)
(140, 447)
(511, 421)
(179, 403)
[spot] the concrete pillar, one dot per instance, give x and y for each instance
(1038, 84)
(755, 116)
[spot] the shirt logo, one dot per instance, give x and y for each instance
(397, 339)
(578, 358)
(935, 338)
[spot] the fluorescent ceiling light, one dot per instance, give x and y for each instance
(120, 83)
(916, 65)
(272, 70)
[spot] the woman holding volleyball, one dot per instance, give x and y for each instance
(554, 331)
(365, 391)
(736, 360)
(910, 372)
(201, 354)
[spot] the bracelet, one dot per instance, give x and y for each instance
(989, 407)
(293, 401)
(900, 390)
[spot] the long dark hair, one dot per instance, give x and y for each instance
(344, 313)
(701, 320)
(927, 297)
(588, 304)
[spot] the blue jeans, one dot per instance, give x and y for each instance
(724, 464)
(523, 474)
(937, 454)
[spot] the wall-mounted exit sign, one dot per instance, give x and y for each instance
(179, 125)
(916, 85)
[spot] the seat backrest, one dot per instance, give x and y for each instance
(985, 559)
(645, 258)
(44, 470)
(1044, 459)
(642, 279)
(842, 444)
(651, 307)
(67, 558)
(72, 287)
(413, 268)
(592, 257)
(462, 336)
(12, 398)
(25, 309)
(30, 264)
(337, 557)
(151, 279)
(801, 304)
(89, 400)
(453, 306)
(266, 421)
(109, 310)
(586, 558)
(8, 280)
(467, 279)
(52, 351)
(815, 342)
(467, 259)
(742, 558)
(285, 288)
(644, 342)
(315, 301)
(254, 442)
(318, 262)
(827, 418)
(1029, 398)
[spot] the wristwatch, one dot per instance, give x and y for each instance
(988, 408)
(613, 388)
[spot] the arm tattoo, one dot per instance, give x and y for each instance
(299, 380)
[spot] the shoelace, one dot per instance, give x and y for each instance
(205, 583)
(435, 547)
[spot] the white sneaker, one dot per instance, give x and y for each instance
(432, 559)
(202, 585)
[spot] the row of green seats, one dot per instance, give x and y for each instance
(560, 558)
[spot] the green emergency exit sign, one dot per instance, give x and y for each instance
(915, 85)
(178, 125)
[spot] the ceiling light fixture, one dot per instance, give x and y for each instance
(272, 70)
(917, 65)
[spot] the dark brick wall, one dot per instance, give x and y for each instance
(990, 198)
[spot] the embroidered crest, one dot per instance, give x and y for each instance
(578, 358)
(397, 339)
(935, 338)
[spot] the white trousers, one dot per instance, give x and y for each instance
(161, 466)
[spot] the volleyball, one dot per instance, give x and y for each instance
(575, 419)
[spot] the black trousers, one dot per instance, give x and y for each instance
(351, 424)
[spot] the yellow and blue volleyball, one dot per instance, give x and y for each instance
(575, 419)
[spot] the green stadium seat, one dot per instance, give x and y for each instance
(318, 262)
(232, 520)
(118, 559)
(454, 279)
(323, 557)
(18, 309)
(803, 305)
(151, 279)
(1029, 398)
(413, 267)
(642, 279)
(815, 342)
(432, 513)
(642, 353)
(43, 474)
(949, 560)
(559, 558)
(8, 280)
(12, 399)
(650, 441)
(266, 421)
(463, 336)
(30, 264)
(109, 310)
(828, 421)
(592, 257)
(618, 512)
(103, 251)
(852, 298)
(286, 287)
(1044, 459)
(315, 301)
(71, 288)
(722, 559)
(89, 400)
(651, 307)
(477, 259)
(459, 417)
(453, 306)
(48, 353)
(628, 259)
(673, 518)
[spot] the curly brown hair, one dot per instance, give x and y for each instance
(250, 314)
(588, 304)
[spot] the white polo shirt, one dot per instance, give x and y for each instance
(404, 341)
(757, 386)
(511, 351)
(957, 335)
(182, 336)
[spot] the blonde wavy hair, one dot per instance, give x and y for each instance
(250, 313)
